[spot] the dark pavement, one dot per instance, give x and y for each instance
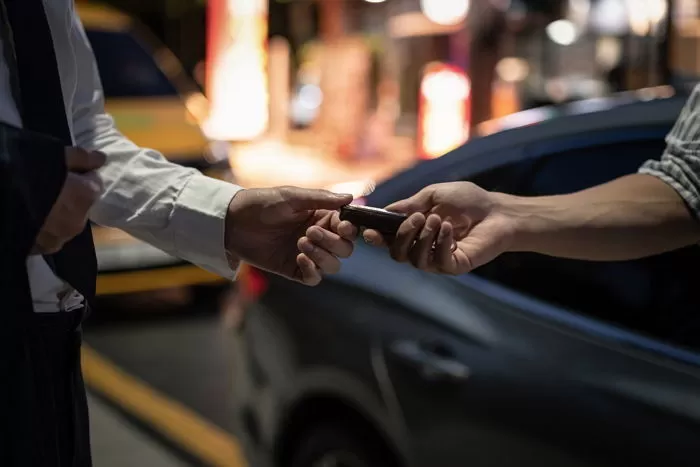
(180, 354)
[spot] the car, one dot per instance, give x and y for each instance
(529, 360)
(157, 106)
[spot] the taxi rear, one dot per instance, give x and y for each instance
(157, 106)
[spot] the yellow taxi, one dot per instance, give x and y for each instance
(157, 106)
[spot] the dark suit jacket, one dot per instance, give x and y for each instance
(32, 172)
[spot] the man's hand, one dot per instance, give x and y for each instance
(289, 231)
(69, 213)
(627, 218)
(452, 228)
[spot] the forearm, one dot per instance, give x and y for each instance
(631, 217)
(171, 207)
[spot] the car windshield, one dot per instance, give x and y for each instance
(126, 68)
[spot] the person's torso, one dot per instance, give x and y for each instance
(46, 287)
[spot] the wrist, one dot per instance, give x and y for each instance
(529, 220)
(234, 223)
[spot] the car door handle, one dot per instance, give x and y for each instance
(432, 364)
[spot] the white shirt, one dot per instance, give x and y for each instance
(171, 207)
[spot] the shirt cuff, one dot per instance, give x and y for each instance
(199, 222)
(674, 176)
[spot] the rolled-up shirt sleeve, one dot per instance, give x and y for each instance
(679, 165)
(174, 208)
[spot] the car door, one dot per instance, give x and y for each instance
(578, 363)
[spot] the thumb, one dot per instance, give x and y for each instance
(81, 161)
(303, 199)
(420, 202)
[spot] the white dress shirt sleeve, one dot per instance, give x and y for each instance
(176, 209)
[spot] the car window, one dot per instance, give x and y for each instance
(126, 68)
(652, 295)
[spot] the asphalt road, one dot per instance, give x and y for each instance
(117, 442)
(163, 376)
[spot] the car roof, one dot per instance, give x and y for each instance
(574, 121)
(97, 16)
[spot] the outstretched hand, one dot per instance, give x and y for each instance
(452, 228)
(289, 231)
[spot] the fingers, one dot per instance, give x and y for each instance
(324, 248)
(343, 228)
(329, 241)
(310, 275)
(427, 243)
(69, 213)
(421, 252)
(444, 248)
(420, 202)
(305, 199)
(374, 238)
(406, 236)
(80, 161)
(48, 244)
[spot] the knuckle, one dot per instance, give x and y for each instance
(76, 228)
(49, 245)
(68, 230)
(98, 157)
(50, 250)
(75, 155)
(397, 255)
(69, 225)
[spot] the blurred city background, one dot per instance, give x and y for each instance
(368, 97)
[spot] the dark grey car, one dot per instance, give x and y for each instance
(530, 360)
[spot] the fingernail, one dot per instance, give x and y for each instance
(368, 240)
(315, 234)
(307, 247)
(417, 222)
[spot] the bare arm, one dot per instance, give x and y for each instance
(631, 217)
(651, 212)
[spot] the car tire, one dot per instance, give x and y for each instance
(332, 446)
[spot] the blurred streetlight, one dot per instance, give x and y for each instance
(562, 32)
(578, 11)
(512, 69)
(444, 119)
(646, 15)
(610, 17)
(445, 12)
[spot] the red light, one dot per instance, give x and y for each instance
(258, 283)
(253, 282)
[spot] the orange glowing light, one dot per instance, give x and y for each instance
(444, 110)
(237, 81)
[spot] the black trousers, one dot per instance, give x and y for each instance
(43, 407)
